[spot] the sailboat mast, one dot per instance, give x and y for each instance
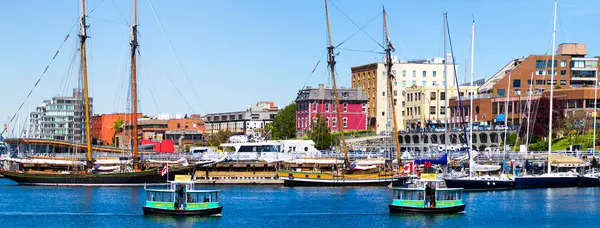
(388, 65)
(506, 105)
(446, 84)
(471, 98)
(331, 63)
(552, 87)
(83, 36)
(595, 115)
(529, 111)
(134, 45)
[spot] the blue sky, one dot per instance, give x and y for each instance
(238, 52)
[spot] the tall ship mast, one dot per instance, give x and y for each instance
(134, 45)
(390, 78)
(331, 64)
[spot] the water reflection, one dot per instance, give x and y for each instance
(181, 221)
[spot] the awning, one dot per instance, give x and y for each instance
(500, 118)
(557, 159)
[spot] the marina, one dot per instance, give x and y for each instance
(410, 143)
(314, 207)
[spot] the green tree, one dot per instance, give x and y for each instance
(320, 133)
(117, 127)
(284, 123)
(219, 137)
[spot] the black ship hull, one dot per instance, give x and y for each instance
(412, 210)
(589, 182)
(306, 182)
(546, 182)
(110, 179)
(158, 211)
(480, 185)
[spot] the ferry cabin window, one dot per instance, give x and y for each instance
(258, 148)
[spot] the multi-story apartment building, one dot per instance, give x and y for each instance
(313, 101)
(425, 106)
(61, 118)
(373, 79)
(254, 118)
(574, 79)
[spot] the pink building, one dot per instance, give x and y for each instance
(310, 101)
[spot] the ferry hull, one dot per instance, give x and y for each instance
(546, 182)
(306, 182)
(445, 210)
(112, 179)
(475, 185)
(589, 182)
(205, 212)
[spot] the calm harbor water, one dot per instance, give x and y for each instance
(257, 206)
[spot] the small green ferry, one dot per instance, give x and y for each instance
(180, 198)
(427, 197)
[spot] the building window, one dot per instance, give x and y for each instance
(345, 107)
(364, 107)
(563, 72)
(178, 125)
(298, 123)
(315, 107)
(403, 83)
(403, 73)
(433, 83)
(433, 73)
(424, 83)
(540, 64)
(345, 122)
(326, 106)
(333, 122)
(414, 82)
(314, 121)
(432, 96)
(563, 63)
(327, 119)
(563, 82)
(516, 83)
(414, 73)
(424, 73)
(442, 95)
(501, 93)
(442, 110)
(540, 72)
(383, 94)
(432, 110)
(539, 82)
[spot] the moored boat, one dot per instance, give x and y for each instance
(589, 180)
(292, 179)
(485, 182)
(427, 197)
(548, 180)
(181, 198)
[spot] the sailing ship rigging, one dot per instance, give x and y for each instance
(91, 175)
(344, 176)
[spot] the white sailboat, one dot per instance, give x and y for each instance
(483, 182)
(549, 179)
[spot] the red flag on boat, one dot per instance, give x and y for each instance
(408, 167)
(165, 170)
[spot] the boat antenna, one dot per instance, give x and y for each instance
(552, 87)
(388, 66)
(471, 99)
(446, 110)
(83, 37)
(331, 63)
(134, 45)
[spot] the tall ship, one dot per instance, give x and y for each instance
(124, 170)
(337, 172)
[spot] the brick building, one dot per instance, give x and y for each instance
(103, 126)
(574, 79)
(313, 101)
